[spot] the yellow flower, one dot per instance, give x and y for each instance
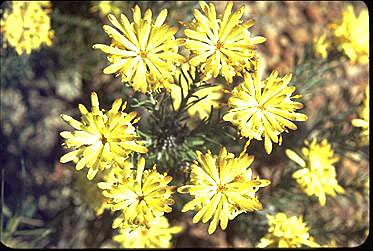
(158, 235)
(363, 121)
(352, 35)
(27, 26)
(90, 194)
(107, 7)
(321, 46)
(318, 176)
(222, 187)
(264, 108)
(102, 138)
(143, 52)
(211, 94)
(141, 197)
(219, 45)
(122, 170)
(286, 232)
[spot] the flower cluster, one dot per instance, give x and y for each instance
(264, 108)
(318, 176)
(286, 232)
(349, 36)
(259, 108)
(143, 52)
(220, 46)
(27, 26)
(214, 47)
(363, 121)
(102, 139)
(141, 197)
(222, 187)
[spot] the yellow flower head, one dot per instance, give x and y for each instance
(322, 46)
(157, 235)
(286, 232)
(141, 197)
(352, 35)
(222, 187)
(90, 194)
(102, 139)
(363, 121)
(211, 95)
(144, 52)
(219, 45)
(264, 108)
(27, 26)
(318, 176)
(106, 7)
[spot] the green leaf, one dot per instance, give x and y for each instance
(38, 231)
(13, 224)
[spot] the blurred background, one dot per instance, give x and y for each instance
(47, 204)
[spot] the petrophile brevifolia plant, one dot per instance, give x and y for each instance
(146, 54)
(174, 124)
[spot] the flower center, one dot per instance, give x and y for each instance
(316, 163)
(142, 54)
(261, 107)
(103, 140)
(140, 197)
(221, 188)
(219, 45)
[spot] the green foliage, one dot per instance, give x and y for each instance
(171, 135)
(19, 228)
